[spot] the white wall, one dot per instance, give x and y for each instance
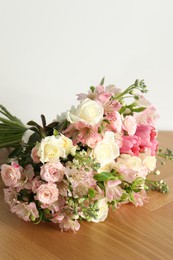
(50, 50)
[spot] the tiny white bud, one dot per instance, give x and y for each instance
(157, 172)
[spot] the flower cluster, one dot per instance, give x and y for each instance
(96, 155)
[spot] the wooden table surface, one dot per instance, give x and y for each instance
(128, 233)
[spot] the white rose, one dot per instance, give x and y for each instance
(103, 211)
(106, 151)
(50, 149)
(67, 144)
(132, 162)
(88, 111)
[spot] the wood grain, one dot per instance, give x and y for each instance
(128, 233)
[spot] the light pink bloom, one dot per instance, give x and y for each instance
(11, 174)
(68, 224)
(140, 198)
(130, 145)
(52, 172)
(57, 218)
(26, 211)
(10, 196)
(147, 135)
(113, 191)
(80, 132)
(56, 206)
(130, 125)
(36, 183)
(34, 155)
(47, 193)
(147, 117)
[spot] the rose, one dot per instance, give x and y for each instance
(52, 172)
(11, 174)
(50, 149)
(103, 211)
(34, 154)
(148, 161)
(106, 151)
(89, 111)
(47, 193)
(67, 144)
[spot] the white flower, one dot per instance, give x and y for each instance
(67, 144)
(50, 149)
(149, 161)
(88, 111)
(106, 151)
(103, 211)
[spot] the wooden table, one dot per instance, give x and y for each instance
(128, 233)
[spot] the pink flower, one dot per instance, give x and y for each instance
(130, 145)
(80, 132)
(36, 183)
(26, 211)
(147, 135)
(140, 198)
(68, 224)
(52, 172)
(34, 155)
(11, 174)
(130, 125)
(47, 193)
(115, 122)
(10, 196)
(57, 218)
(113, 191)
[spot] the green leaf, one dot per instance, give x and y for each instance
(91, 193)
(104, 176)
(102, 81)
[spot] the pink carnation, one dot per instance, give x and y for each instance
(52, 172)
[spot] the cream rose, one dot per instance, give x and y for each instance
(47, 193)
(67, 144)
(103, 211)
(50, 149)
(106, 151)
(88, 111)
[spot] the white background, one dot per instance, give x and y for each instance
(50, 50)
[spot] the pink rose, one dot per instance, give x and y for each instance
(34, 155)
(47, 193)
(147, 135)
(130, 145)
(26, 211)
(52, 172)
(130, 125)
(11, 174)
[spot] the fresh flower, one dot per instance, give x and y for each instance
(93, 157)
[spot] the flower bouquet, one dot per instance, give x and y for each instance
(93, 157)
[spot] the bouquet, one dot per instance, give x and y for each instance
(95, 156)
